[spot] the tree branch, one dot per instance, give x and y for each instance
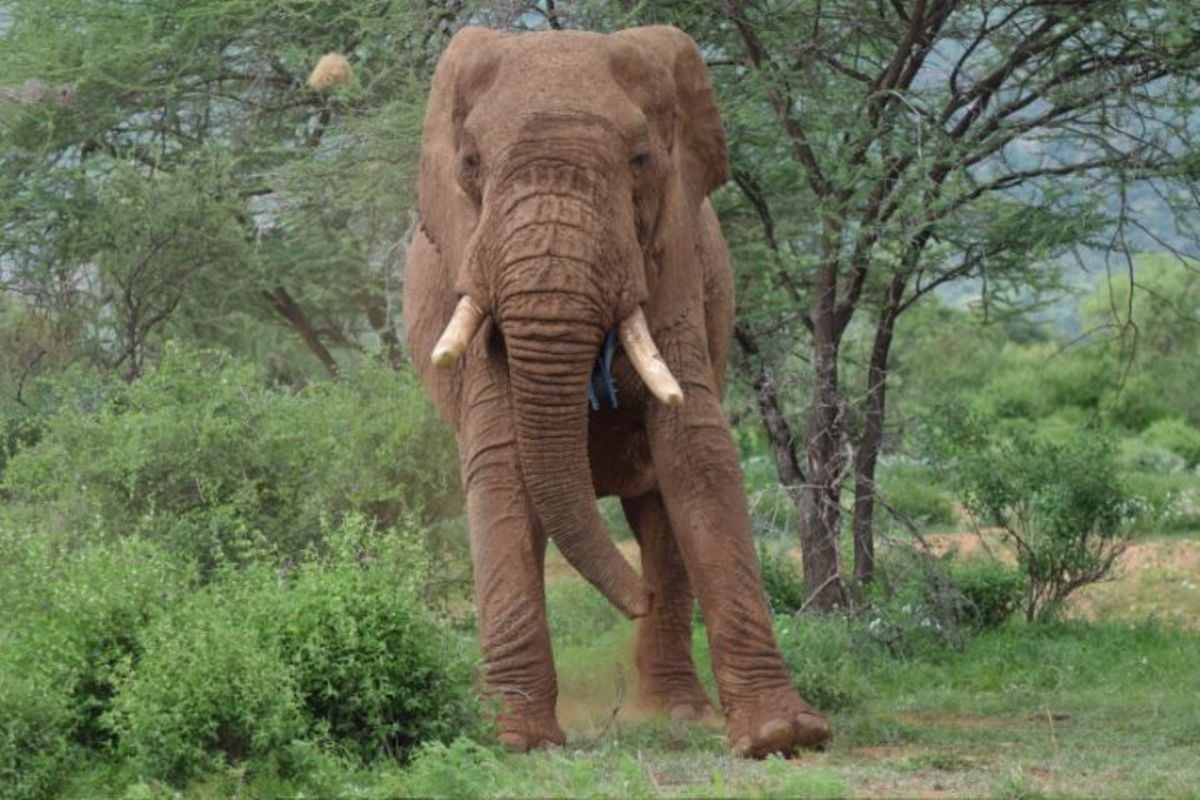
(286, 306)
(780, 103)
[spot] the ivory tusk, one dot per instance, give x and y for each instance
(459, 330)
(643, 353)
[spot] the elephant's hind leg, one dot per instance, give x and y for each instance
(666, 675)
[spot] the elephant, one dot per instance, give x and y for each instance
(566, 247)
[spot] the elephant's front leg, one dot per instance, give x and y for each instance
(698, 471)
(507, 553)
(667, 678)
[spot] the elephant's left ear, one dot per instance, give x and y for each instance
(462, 73)
(698, 133)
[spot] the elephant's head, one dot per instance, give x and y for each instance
(556, 168)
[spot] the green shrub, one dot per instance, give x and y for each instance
(258, 664)
(1167, 503)
(202, 455)
(106, 596)
(912, 605)
(19, 429)
(374, 670)
(1059, 504)
(72, 619)
(209, 690)
(461, 768)
(1139, 402)
(1138, 455)
(824, 660)
(1176, 435)
(782, 579)
(993, 591)
(35, 725)
(112, 648)
(1018, 392)
(1063, 424)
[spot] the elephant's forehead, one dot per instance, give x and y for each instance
(562, 72)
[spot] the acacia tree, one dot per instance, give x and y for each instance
(883, 150)
(930, 142)
(135, 137)
(983, 138)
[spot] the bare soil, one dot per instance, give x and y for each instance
(1157, 577)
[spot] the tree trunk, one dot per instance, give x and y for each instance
(867, 458)
(374, 305)
(779, 431)
(819, 539)
(869, 446)
(287, 307)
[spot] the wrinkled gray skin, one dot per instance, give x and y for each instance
(563, 184)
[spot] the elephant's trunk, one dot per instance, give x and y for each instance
(550, 356)
(548, 256)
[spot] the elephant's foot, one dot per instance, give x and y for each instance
(681, 699)
(521, 732)
(775, 722)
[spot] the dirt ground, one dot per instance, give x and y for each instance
(1156, 577)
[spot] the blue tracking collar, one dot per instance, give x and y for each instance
(602, 383)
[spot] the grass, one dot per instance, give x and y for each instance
(1074, 709)
(1078, 708)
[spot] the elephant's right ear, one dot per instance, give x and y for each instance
(466, 67)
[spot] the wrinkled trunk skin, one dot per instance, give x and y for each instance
(554, 313)
(549, 386)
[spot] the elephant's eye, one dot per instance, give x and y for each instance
(470, 165)
(639, 160)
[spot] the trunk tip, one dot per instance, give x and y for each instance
(639, 606)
